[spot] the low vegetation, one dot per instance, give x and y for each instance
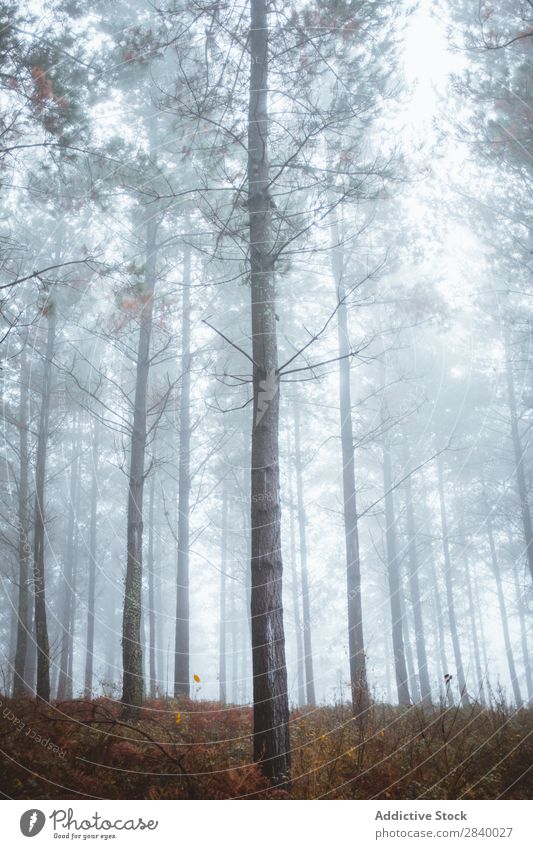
(203, 750)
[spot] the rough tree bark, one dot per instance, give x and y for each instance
(270, 697)
(132, 682)
(181, 657)
(356, 645)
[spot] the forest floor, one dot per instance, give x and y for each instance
(202, 750)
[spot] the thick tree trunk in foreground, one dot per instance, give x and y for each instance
(448, 578)
(519, 458)
(271, 705)
(24, 619)
(91, 594)
(356, 643)
(39, 583)
(416, 599)
(181, 658)
(132, 683)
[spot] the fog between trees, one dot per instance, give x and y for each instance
(266, 338)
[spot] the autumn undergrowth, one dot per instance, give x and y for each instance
(202, 750)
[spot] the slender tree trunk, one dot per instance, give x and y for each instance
(386, 649)
(182, 660)
(412, 680)
(222, 657)
(448, 577)
(72, 616)
(416, 599)
(520, 606)
(152, 671)
(270, 697)
(393, 573)
(483, 642)
(519, 457)
(475, 637)
(64, 686)
(471, 610)
(110, 643)
(11, 614)
(132, 683)
(39, 582)
(144, 644)
(234, 681)
(245, 646)
(159, 619)
(247, 533)
(295, 585)
(436, 600)
(302, 527)
(54, 677)
(20, 684)
(91, 594)
(503, 611)
(356, 645)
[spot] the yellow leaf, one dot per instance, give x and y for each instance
(178, 718)
(196, 678)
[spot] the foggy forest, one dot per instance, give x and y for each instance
(266, 526)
